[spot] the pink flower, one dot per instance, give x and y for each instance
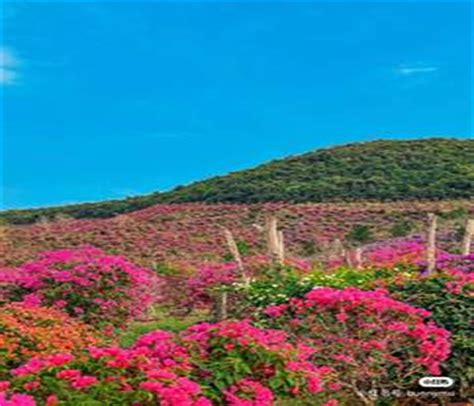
(69, 374)
(17, 399)
(84, 381)
(4, 385)
(52, 400)
(60, 359)
(249, 393)
(32, 385)
(342, 317)
(276, 310)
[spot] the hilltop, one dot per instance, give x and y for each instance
(385, 170)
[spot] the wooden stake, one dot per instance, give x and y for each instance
(467, 241)
(281, 246)
(339, 248)
(431, 247)
(221, 306)
(234, 250)
(273, 240)
(358, 258)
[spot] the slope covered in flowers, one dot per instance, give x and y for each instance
(193, 232)
(294, 334)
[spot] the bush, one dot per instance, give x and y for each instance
(279, 285)
(449, 296)
(274, 286)
(369, 339)
(27, 332)
(229, 363)
(209, 278)
(401, 229)
(360, 233)
(87, 283)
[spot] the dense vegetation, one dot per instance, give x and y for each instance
(294, 333)
(430, 169)
(193, 232)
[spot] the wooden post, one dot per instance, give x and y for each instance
(339, 248)
(221, 306)
(340, 252)
(431, 247)
(358, 258)
(467, 241)
(281, 246)
(273, 241)
(234, 250)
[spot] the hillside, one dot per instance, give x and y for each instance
(193, 232)
(386, 170)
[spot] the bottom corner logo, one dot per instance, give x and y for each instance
(436, 382)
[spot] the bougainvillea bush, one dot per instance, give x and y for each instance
(368, 338)
(231, 363)
(449, 295)
(86, 283)
(27, 332)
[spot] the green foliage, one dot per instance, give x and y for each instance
(161, 320)
(456, 214)
(164, 269)
(275, 285)
(348, 277)
(401, 229)
(452, 311)
(243, 247)
(360, 233)
(278, 285)
(388, 170)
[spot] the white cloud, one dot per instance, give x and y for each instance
(416, 70)
(8, 67)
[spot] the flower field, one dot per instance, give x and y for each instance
(193, 232)
(156, 308)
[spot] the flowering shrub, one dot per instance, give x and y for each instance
(209, 278)
(17, 400)
(86, 283)
(273, 286)
(248, 392)
(26, 332)
(140, 375)
(396, 252)
(230, 363)
(448, 294)
(231, 356)
(368, 338)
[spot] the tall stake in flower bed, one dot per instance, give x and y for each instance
(273, 241)
(281, 245)
(431, 247)
(338, 248)
(358, 258)
(234, 250)
(222, 306)
(466, 244)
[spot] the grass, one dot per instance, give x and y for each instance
(161, 320)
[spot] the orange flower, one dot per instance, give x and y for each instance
(27, 331)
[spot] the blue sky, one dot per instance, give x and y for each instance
(105, 100)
